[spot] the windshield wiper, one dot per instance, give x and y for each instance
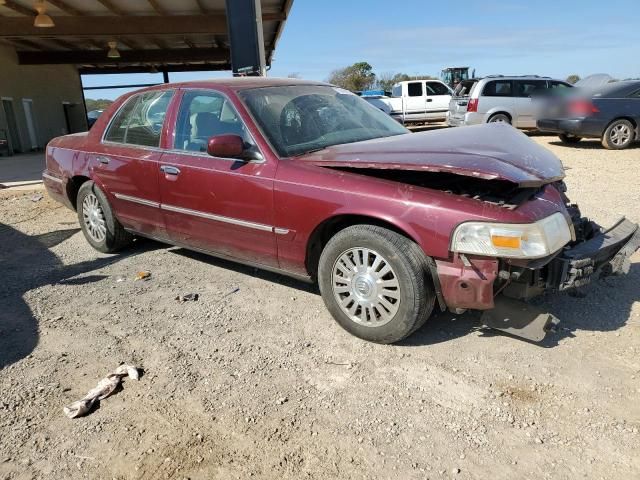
(309, 151)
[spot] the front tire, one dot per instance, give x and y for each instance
(568, 138)
(375, 283)
(100, 227)
(618, 135)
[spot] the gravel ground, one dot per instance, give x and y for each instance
(255, 379)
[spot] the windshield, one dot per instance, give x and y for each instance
(298, 119)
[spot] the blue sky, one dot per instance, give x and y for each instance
(554, 38)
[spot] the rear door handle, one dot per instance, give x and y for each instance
(169, 170)
(102, 159)
(429, 99)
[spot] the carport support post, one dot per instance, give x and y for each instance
(165, 76)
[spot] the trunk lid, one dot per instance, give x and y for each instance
(489, 152)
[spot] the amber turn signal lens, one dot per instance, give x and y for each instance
(505, 242)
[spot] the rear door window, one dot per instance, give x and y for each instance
(140, 120)
(635, 94)
(497, 88)
(415, 89)
(437, 88)
(528, 88)
(556, 84)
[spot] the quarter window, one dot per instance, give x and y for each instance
(497, 88)
(140, 120)
(527, 88)
(204, 115)
(415, 89)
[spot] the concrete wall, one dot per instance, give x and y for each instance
(49, 87)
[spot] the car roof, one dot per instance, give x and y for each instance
(613, 89)
(518, 77)
(240, 83)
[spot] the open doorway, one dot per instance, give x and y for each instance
(9, 114)
(27, 104)
(73, 117)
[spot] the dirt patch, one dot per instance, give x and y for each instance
(255, 380)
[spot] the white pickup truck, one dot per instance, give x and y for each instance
(415, 101)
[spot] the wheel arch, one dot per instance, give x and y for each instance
(498, 111)
(323, 232)
(73, 186)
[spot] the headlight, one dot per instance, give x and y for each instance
(531, 240)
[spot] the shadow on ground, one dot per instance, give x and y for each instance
(605, 307)
(26, 263)
(575, 313)
(247, 270)
(591, 144)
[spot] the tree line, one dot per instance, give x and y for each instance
(360, 76)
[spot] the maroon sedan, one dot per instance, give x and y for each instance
(307, 179)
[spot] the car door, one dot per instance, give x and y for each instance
(220, 205)
(415, 101)
(125, 162)
(496, 97)
(438, 97)
(524, 108)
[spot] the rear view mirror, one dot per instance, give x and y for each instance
(226, 146)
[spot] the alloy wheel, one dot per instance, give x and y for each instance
(366, 287)
(620, 134)
(93, 216)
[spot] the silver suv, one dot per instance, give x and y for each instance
(499, 98)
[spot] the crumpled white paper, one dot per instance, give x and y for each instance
(105, 387)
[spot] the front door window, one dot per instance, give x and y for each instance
(204, 115)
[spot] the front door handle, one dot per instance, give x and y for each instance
(169, 170)
(104, 160)
(429, 99)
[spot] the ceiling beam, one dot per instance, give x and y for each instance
(285, 13)
(159, 43)
(22, 43)
(203, 9)
(157, 7)
(85, 57)
(128, 43)
(65, 44)
(108, 4)
(65, 7)
(16, 7)
(202, 67)
(112, 26)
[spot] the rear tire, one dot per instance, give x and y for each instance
(100, 227)
(568, 138)
(376, 284)
(619, 134)
(499, 118)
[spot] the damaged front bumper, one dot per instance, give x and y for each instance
(501, 288)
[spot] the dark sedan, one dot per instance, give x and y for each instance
(611, 113)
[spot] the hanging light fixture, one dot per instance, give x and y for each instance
(42, 19)
(113, 50)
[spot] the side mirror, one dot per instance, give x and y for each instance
(226, 146)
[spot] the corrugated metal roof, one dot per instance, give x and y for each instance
(151, 35)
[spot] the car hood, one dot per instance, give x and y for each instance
(489, 151)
